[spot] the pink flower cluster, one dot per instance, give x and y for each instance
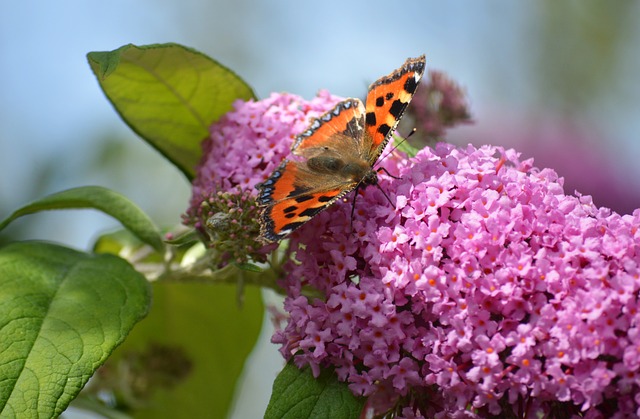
(485, 288)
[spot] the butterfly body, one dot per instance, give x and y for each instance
(335, 154)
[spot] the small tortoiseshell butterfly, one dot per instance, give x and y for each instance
(336, 153)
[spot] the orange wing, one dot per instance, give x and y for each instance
(386, 101)
(299, 189)
(346, 119)
(297, 204)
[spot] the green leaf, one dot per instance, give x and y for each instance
(103, 199)
(197, 340)
(169, 95)
(297, 394)
(62, 312)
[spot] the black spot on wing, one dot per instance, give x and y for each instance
(370, 119)
(384, 129)
(389, 96)
(290, 208)
(303, 198)
(310, 212)
(325, 198)
(299, 193)
(410, 85)
(397, 107)
(379, 101)
(290, 227)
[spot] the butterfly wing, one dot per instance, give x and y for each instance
(338, 130)
(299, 200)
(386, 101)
(299, 189)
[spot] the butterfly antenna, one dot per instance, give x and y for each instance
(382, 169)
(397, 145)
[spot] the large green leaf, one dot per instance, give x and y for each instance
(297, 394)
(62, 312)
(169, 95)
(102, 199)
(188, 353)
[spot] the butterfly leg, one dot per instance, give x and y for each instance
(355, 195)
(382, 169)
(385, 194)
(353, 205)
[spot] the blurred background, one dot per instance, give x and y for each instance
(558, 81)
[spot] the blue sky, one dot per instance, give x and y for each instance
(54, 116)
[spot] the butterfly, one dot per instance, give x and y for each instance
(336, 153)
